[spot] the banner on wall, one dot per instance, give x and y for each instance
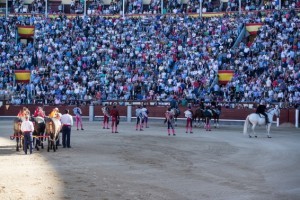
(26, 31)
(225, 76)
(22, 76)
(253, 28)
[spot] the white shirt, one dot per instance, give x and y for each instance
(188, 114)
(66, 119)
(27, 126)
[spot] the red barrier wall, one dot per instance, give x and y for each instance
(286, 115)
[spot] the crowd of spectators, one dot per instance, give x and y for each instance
(154, 6)
(94, 59)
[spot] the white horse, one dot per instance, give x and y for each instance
(257, 119)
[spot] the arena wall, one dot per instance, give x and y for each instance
(286, 115)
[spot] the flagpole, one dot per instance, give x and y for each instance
(6, 9)
(200, 9)
(46, 8)
(84, 7)
(123, 9)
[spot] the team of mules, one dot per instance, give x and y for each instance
(48, 128)
(203, 118)
(200, 117)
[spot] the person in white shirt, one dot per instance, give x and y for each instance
(27, 128)
(145, 113)
(189, 119)
(67, 122)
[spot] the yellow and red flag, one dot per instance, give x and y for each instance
(225, 76)
(253, 28)
(22, 76)
(26, 31)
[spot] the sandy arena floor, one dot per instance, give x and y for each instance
(149, 165)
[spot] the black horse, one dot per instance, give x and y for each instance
(39, 132)
(18, 133)
(198, 116)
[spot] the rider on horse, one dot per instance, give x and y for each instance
(23, 112)
(39, 112)
(261, 109)
(55, 113)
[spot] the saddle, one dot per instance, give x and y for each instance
(39, 120)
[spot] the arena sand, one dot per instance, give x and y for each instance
(149, 165)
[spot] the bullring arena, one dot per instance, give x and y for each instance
(149, 165)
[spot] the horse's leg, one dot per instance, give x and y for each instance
(54, 146)
(268, 130)
(49, 143)
(215, 122)
(36, 141)
(17, 143)
(43, 139)
(253, 131)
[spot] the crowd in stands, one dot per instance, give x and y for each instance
(155, 58)
(154, 6)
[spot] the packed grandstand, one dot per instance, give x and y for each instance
(153, 57)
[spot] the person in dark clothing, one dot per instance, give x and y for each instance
(115, 118)
(261, 109)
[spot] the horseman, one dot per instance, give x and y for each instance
(106, 115)
(174, 103)
(189, 119)
(261, 109)
(39, 112)
(201, 105)
(55, 113)
(23, 112)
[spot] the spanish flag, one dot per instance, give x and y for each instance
(22, 76)
(26, 31)
(253, 28)
(225, 76)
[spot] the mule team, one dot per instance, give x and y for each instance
(34, 129)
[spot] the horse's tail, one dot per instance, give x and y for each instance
(246, 124)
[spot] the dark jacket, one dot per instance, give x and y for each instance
(261, 109)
